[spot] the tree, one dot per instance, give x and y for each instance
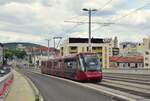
(20, 54)
(8, 54)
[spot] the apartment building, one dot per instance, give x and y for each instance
(146, 45)
(129, 49)
(77, 45)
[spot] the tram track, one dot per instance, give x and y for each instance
(128, 80)
(126, 90)
(128, 84)
(129, 87)
(131, 78)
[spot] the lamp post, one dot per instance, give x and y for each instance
(48, 52)
(89, 12)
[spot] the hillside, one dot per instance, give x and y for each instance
(13, 45)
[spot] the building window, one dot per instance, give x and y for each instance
(73, 47)
(147, 53)
(93, 48)
(146, 64)
(128, 64)
(87, 48)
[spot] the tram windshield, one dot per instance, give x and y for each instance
(90, 62)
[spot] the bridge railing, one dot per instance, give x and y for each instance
(5, 82)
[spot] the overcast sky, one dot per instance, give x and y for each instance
(37, 20)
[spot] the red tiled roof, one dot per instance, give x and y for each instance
(134, 59)
(43, 49)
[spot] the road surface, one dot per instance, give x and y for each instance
(57, 90)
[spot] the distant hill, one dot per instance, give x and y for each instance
(13, 45)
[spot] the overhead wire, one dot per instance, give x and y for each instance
(125, 15)
(78, 24)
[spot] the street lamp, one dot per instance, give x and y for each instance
(89, 12)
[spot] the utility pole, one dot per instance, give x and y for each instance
(89, 39)
(90, 10)
(48, 52)
(90, 46)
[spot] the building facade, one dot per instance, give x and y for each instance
(127, 62)
(38, 54)
(137, 49)
(77, 45)
(146, 44)
(129, 49)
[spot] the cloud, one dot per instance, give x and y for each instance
(12, 37)
(45, 18)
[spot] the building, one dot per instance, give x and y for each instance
(144, 49)
(42, 53)
(147, 59)
(20, 47)
(129, 49)
(137, 49)
(113, 47)
(77, 45)
(127, 62)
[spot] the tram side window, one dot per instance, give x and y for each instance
(49, 64)
(70, 63)
(57, 64)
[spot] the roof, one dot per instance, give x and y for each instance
(85, 40)
(134, 59)
(43, 49)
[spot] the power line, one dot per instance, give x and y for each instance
(107, 3)
(135, 10)
(78, 24)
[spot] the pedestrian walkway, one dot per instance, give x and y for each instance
(20, 89)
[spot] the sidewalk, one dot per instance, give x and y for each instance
(20, 89)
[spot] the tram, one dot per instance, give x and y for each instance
(79, 67)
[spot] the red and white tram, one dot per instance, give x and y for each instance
(80, 67)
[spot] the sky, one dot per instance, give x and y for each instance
(37, 20)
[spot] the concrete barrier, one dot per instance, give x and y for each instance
(5, 83)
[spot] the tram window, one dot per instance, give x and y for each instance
(70, 63)
(49, 64)
(57, 64)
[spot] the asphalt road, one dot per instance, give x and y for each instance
(57, 90)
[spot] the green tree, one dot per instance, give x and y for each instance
(20, 54)
(8, 54)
